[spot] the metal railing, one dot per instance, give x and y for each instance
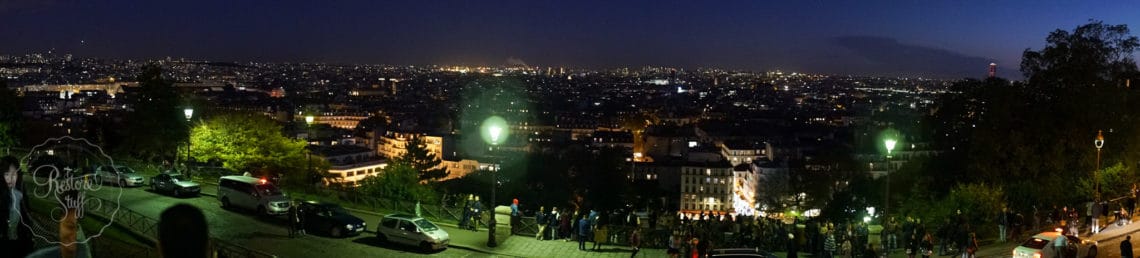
(148, 227)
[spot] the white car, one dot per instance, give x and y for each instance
(1041, 246)
(121, 176)
(413, 231)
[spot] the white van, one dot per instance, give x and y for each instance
(253, 194)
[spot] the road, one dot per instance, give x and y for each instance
(268, 234)
(1111, 248)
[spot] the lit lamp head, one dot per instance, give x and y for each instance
(309, 120)
(189, 112)
(1099, 139)
(495, 130)
(890, 144)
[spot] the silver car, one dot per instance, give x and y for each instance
(412, 231)
(119, 175)
(1041, 246)
(174, 183)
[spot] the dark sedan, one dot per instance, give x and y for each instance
(330, 219)
(174, 183)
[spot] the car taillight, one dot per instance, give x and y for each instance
(1036, 255)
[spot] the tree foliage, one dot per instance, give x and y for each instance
(423, 161)
(10, 116)
(251, 142)
(156, 125)
(1094, 54)
(400, 181)
(1024, 137)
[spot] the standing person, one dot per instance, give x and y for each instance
(829, 245)
(1003, 223)
(552, 223)
(911, 245)
(514, 214)
(15, 234)
(583, 230)
(182, 232)
(635, 241)
(846, 249)
(971, 246)
(418, 213)
(463, 222)
(793, 247)
(1059, 246)
(1126, 247)
(674, 245)
(294, 220)
(926, 248)
(301, 221)
(564, 228)
(476, 214)
(892, 230)
(1096, 210)
(1132, 201)
(540, 219)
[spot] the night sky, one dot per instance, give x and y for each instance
(946, 39)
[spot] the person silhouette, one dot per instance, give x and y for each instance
(183, 232)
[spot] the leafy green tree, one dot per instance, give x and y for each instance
(979, 202)
(398, 181)
(9, 116)
(1094, 54)
(156, 126)
(251, 142)
(423, 161)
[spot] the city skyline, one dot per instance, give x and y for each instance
(940, 40)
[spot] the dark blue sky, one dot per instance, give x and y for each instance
(905, 37)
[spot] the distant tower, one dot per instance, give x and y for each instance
(993, 70)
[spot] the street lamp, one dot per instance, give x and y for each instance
(189, 112)
(1099, 142)
(890, 144)
(494, 131)
(309, 154)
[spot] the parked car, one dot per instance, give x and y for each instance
(1041, 245)
(331, 219)
(118, 175)
(253, 194)
(174, 183)
(410, 230)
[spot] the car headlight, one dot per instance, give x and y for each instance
(348, 226)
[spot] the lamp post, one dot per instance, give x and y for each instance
(890, 144)
(189, 112)
(309, 154)
(1099, 142)
(494, 131)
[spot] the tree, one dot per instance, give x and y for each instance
(422, 160)
(1094, 54)
(251, 142)
(399, 181)
(9, 116)
(155, 125)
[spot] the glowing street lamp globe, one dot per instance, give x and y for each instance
(890, 144)
(309, 119)
(495, 130)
